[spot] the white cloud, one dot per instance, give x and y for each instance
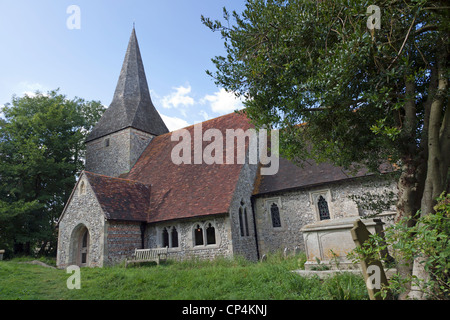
(174, 123)
(29, 89)
(179, 98)
(223, 102)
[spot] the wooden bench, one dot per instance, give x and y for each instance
(147, 255)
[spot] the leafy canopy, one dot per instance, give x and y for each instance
(314, 69)
(41, 151)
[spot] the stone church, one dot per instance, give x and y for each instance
(132, 195)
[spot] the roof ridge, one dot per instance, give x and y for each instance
(212, 119)
(116, 178)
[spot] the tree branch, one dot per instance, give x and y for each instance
(403, 45)
(426, 28)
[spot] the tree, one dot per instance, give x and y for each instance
(41, 152)
(363, 95)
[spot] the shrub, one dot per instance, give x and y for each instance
(427, 239)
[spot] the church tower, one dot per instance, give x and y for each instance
(128, 125)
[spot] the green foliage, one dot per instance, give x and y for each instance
(427, 239)
(336, 89)
(41, 151)
(345, 286)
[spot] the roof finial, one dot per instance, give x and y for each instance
(133, 24)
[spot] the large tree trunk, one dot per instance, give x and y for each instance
(405, 208)
(438, 162)
(438, 144)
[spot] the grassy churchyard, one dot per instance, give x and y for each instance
(220, 279)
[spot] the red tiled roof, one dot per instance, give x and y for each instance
(195, 190)
(120, 199)
(188, 190)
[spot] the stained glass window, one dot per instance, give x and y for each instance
(275, 212)
(322, 204)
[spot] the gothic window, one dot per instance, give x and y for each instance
(322, 204)
(169, 237)
(243, 221)
(107, 142)
(210, 234)
(165, 238)
(204, 234)
(198, 236)
(246, 221)
(174, 236)
(275, 214)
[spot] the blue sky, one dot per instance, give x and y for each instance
(39, 52)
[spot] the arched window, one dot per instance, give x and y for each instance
(243, 221)
(204, 234)
(322, 204)
(210, 234)
(165, 238)
(246, 222)
(174, 236)
(275, 214)
(198, 236)
(169, 237)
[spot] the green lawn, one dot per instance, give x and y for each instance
(221, 279)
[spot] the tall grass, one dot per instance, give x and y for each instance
(219, 279)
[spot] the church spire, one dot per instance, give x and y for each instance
(131, 105)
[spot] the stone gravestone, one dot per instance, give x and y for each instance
(330, 242)
(1, 254)
(372, 269)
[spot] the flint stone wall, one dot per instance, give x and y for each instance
(125, 147)
(186, 245)
(82, 210)
(298, 208)
(244, 245)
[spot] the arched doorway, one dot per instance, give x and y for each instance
(83, 248)
(79, 246)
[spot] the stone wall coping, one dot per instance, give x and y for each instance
(343, 223)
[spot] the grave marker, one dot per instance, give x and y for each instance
(372, 269)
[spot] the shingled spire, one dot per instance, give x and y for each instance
(131, 105)
(128, 125)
